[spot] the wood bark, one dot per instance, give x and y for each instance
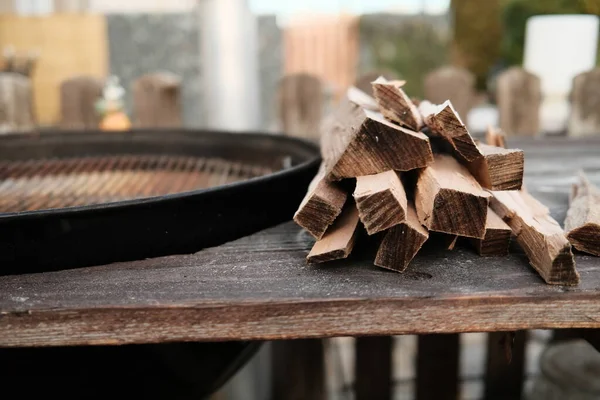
(401, 243)
(540, 236)
(338, 241)
(583, 218)
(321, 205)
(448, 199)
(381, 201)
(496, 239)
(444, 121)
(498, 168)
(359, 142)
(395, 105)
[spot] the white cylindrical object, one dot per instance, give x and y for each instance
(557, 48)
(229, 65)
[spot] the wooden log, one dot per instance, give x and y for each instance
(496, 239)
(321, 205)
(381, 201)
(300, 102)
(583, 218)
(495, 137)
(364, 82)
(338, 241)
(359, 142)
(519, 98)
(78, 96)
(395, 105)
(444, 121)
(584, 119)
(157, 101)
(498, 168)
(401, 243)
(540, 236)
(451, 83)
(448, 199)
(373, 368)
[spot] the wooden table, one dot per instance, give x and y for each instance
(260, 287)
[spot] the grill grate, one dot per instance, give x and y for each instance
(57, 183)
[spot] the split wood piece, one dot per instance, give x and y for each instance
(498, 168)
(338, 241)
(452, 242)
(362, 99)
(540, 236)
(401, 243)
(583, 218)
(359, 142)
(445, 122)
(495, 137)
(321, 205)
(496, 239)
(448, 199)
(395, 105)
(381, 201)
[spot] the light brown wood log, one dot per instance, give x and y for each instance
(498, 168)
(540, 236)
(362, 99)
(495, 137)
(583, 218)
(157, 101)
(401, 243)
(357, 142)
(321, 205)
(381, 201)
(444, 121)
(395, 105)
(448, 199)
(496, 239)
(338, 241)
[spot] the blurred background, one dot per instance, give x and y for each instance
(252, 64)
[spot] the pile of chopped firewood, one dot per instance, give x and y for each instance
(414, 169)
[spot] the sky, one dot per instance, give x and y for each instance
(287, 7)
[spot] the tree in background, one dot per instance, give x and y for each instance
(477, 36)
(410, 46)
(516, 13)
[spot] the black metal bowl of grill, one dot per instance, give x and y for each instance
(75, 199)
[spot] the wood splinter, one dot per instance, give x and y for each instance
(338, 241)
(498, 168)
(583, 218)
(381, 201)
(496, 239)
(357, 142)
(321, 205)
(449, 200)
(445, 122)
(401, 243)
(540, 236)
(395, 105)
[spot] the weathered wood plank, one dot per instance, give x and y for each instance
(373, 368)
(381, 201)
(395, 105)
(298, 369)
(540, 236)
(583, 218)
(338, 241)
(449, 200)
(357, 142)
(402, 242)
(437, 367)
(504, 378)
(321, 205)
(496, 239)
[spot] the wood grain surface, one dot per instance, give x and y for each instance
(260, 287)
